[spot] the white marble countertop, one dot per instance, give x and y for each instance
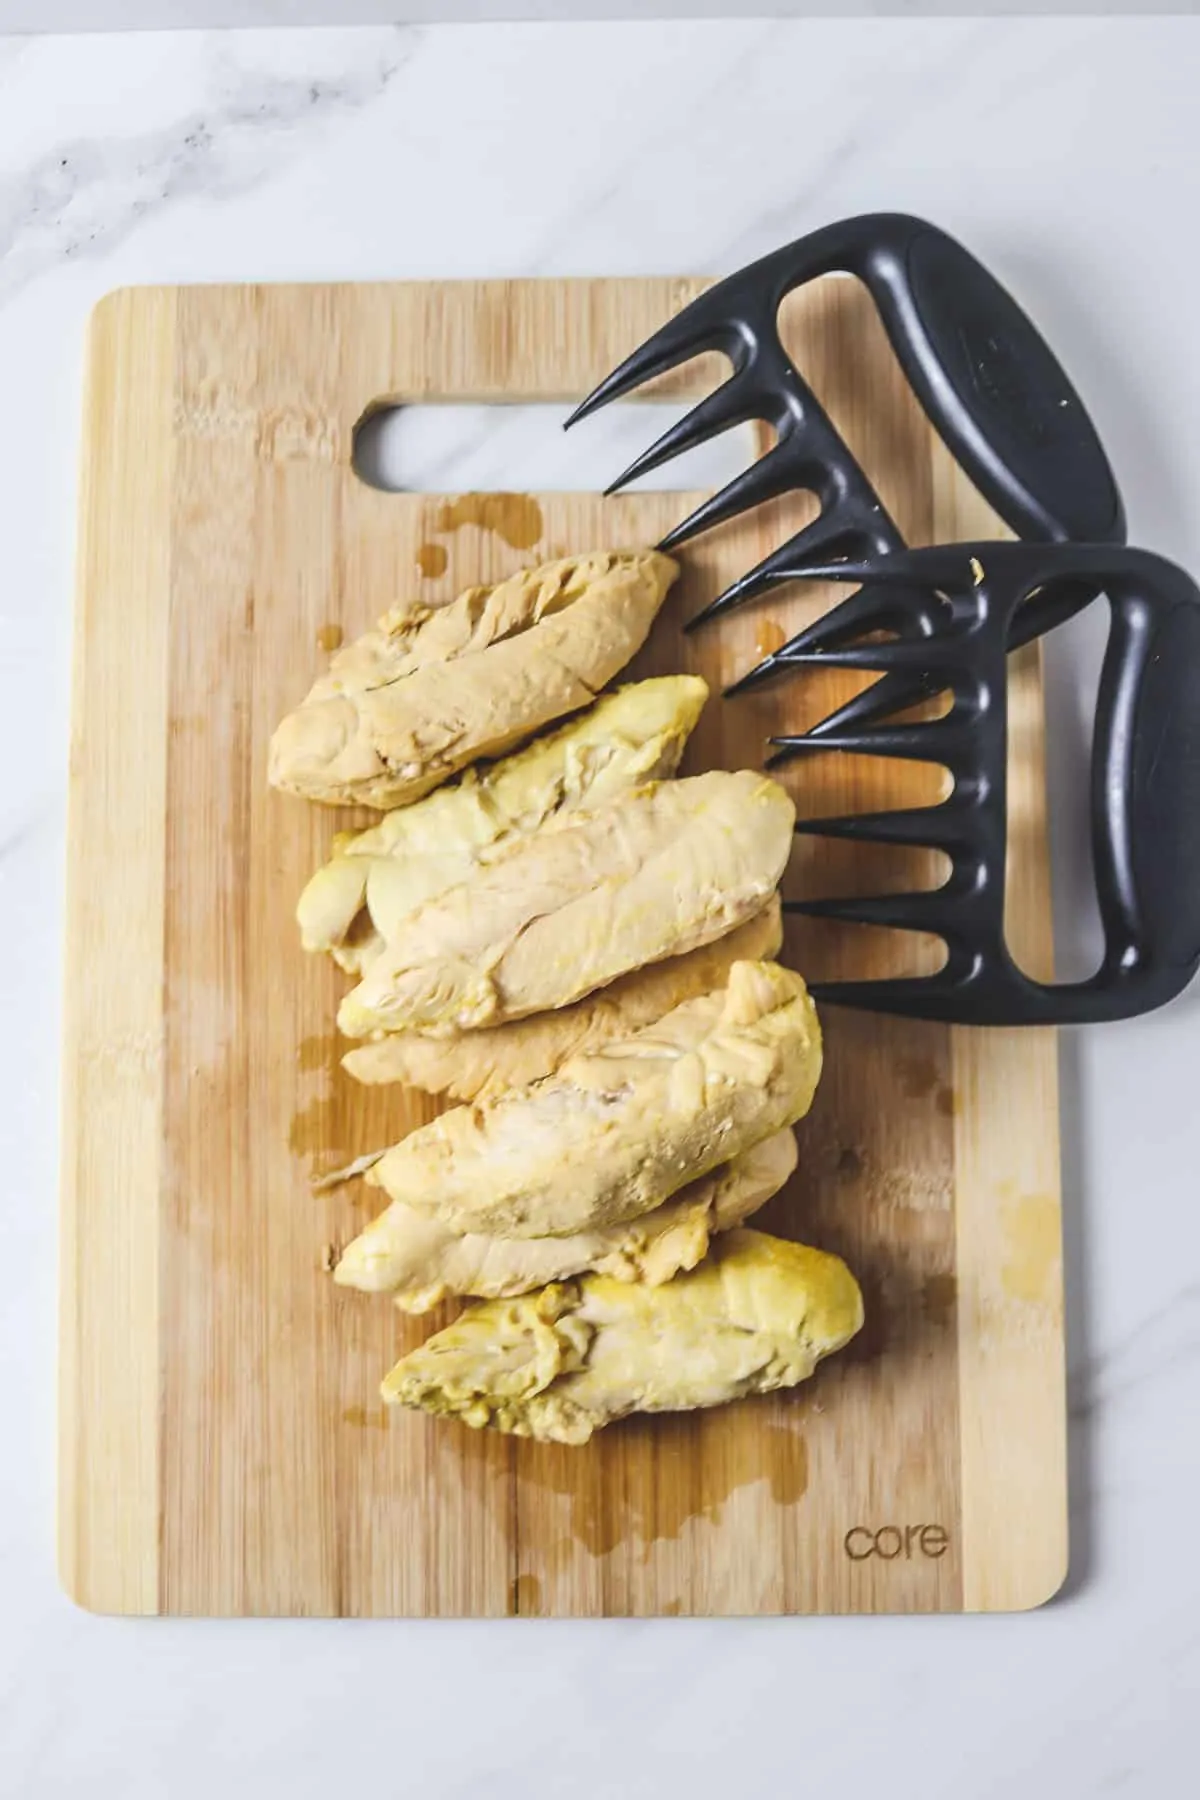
(1067, 154)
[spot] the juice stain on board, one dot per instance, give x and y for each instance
(629, 1485)
(517, 518)
(432, 560)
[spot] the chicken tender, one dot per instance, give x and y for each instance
(434, 688)
(422, 1262)
(555, 916)
(376, 878)
(481, 1065)
(757, 1315)
(617, 1133)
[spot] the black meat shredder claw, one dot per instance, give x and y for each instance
(1145, 783)
(988, 381)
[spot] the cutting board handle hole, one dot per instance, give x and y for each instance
(454, 447)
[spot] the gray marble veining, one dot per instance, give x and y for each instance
(83, 195)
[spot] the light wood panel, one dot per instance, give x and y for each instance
(1012, 1364)
(223, 1446)
(113, 1176)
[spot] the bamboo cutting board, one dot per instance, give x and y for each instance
(223, 1447)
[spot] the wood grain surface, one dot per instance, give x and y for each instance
(223, 1446)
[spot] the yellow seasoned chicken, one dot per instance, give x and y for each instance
(759, 1314)
(628, 738)
(553, 917)
(435, 688)
(616, 1133)
(422, 1262)
(481, 1065)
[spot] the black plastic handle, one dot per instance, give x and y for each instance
(1145, 800)
(1146, 775)
(991, 385)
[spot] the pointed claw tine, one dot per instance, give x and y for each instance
(786, 750)
(912, 657)
(898, 912)
(870, 608)
(763, 671)
(827, 549)
(937, 827)
(891, 694)
(744, 588)
(766, 479)
(864, 996)
(768, 573)
(642, 366)
(621, 381)
(933, 740)
(681, 338)
(730, 404)
(858, 614)
(790, 562)
(876, 606)
(910, 996)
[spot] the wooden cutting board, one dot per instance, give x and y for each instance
(223, 1447)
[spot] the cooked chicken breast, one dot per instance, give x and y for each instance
(759, 1314)
(617, 1133)
(481, 1065)
(435, 688)
(422, 1262)
(628, 738)
(555, 916)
